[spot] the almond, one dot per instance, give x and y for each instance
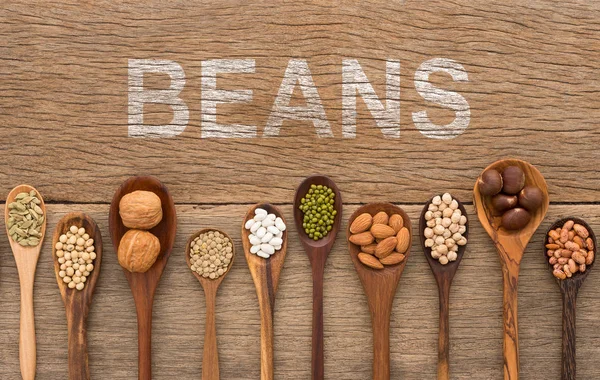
(396, 222)
(370, 249)
(362, 223)
(363, 238)
(382, 231)
(381, 218)
(385, 247)
(392, 259)
(370, 261)
(403, 238)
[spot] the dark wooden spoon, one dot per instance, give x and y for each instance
(265, 273)
(210, 360)
(77, 302)
(511, 246)
(380, 287)
(569, 288)
(317, 252)
(443, 275)
(143, 285)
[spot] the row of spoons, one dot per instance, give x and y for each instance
(380, 285)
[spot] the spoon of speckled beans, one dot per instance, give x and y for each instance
(25, 217)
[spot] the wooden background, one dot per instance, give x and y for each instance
(533, 92)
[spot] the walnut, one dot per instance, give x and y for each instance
(141, 210)
(138, 250)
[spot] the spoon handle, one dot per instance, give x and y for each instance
(78, 353)
(381, 346)
(27, 344)
(210, 360)
(444, 334)
(318, 361)
(143, 306)
(569, 296)
(266, 341)
(511, 330)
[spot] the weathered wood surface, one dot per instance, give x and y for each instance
(533, 93)
(179, 311)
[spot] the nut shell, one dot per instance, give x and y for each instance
(140, 210)
(515, 219)
(503, 202)
(138, 250)
(513, 180)
(490, 182)
(531, 198)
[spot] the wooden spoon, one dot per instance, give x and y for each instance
(26, 259)
(265, 273)
(210, 361)
(443, 275)
(569, 288)
(317, 252)
(510, 246)
(380, 287)
(143, 285)
(77, 302)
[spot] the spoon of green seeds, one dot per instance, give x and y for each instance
(317, 215)
(25, 217)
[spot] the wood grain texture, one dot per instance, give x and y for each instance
(532, 90)
(475, 315)
(78, 302)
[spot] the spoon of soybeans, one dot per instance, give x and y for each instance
(26, 252)
(77, 302)
(317, 251)
(510, 245)
(210, 361)
(569, 286)
(444, 274)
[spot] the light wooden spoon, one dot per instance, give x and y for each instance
(210, 361)
(265, 273)
(380, 287)
(317, 252)
(444, 274)
(569, 288)
(510, 246)
(143, 285)
(77, 302)
(26, 259)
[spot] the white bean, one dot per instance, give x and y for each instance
(267, 237)
(280, 224)
(249, 223)
(260, 217)
(263, 255)
(260, 211)
(277, 248)
(254, 249)
(274, 230)
(255, 226)
(268, 222)
(276, 241)
(267, 248)
(261, 232)
(254, 240)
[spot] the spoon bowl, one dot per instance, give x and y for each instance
(317, 251)
(210, 361)
(380, 287)
(265, 274)
(444, 274)
(510, 246)
(26, 259)
(569, 289)
(77, 302)
(143, 285)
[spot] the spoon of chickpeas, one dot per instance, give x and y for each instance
(77, 255)
(209, 253)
